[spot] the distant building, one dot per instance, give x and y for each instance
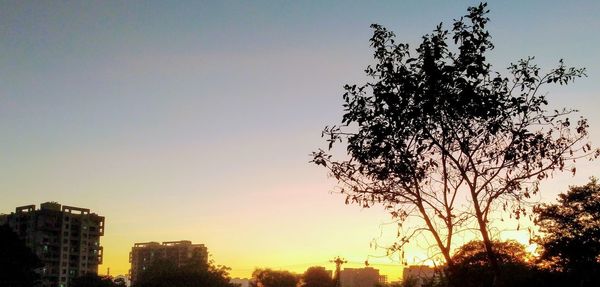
(66, 239)
(419, 273)
(361, 277)
(178, 252)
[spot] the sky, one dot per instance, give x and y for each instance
(195, 119)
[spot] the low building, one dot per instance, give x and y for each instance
(177, 252)
(65, 238)
(361, 277)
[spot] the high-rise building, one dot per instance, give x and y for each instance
(361, 277)
(66, 239)
(177, 252)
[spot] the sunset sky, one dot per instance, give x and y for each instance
(195, 120)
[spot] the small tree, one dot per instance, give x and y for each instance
(441, 125)
(317, 276)
(164, 273)
(272, 278)
(572, 232)
(517, 265)
(93, 280)
(507, 252)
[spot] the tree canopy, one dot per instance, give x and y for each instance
(164, 273)
(317, 276)
(516, 265)
(571, 229)
(273, 278)
(508, 252)
(94, 280)
(437, 124)
(18, 264)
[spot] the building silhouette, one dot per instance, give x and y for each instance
(361, 277)
(65, 238)
(179, 253)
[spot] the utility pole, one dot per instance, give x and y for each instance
(338, 264)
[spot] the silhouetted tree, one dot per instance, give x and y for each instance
(92, 280)
(272, 278)
(164, 273)
(440, 124)
(18, 263)
(410, 282)
(317, 276)
(507, 252)
(472, 267)
(572, 233)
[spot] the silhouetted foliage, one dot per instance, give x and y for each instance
(440, 124)
(120, 282)
(421, 282)
(507, 252)
(472, 266)
(272, 278)
(18, 263)
(391, 284)
(164, 273)
(93, 280)
(572, 233)
(317, 276)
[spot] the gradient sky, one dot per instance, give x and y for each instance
(195, 120)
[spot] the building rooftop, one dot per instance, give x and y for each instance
(53, 206)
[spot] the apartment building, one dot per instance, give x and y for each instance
(65, 238)
(180, 253)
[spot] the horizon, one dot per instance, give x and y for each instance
(195, 121)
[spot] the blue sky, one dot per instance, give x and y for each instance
(205, 112)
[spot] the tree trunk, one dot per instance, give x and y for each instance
(493, 260)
